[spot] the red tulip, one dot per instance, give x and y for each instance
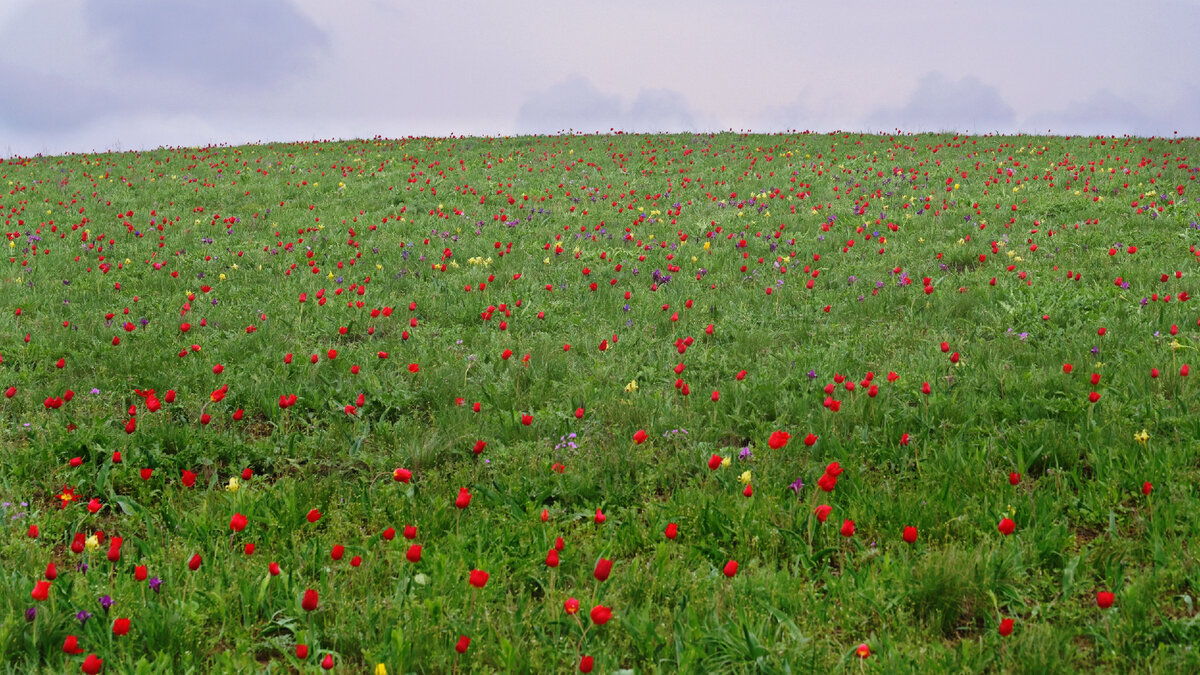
(603, 569)
(822, 512)
(827, 482)
(327, 662)
(71, 645)
(1014, 478)
(194, 563)
(639, 436)
(714, 462)
(337, 552)
(526, 419)
(585, 664)
(778, 439)
(810, 439)
(402, 475)
(302, 652)
(1093, 397)
(92, 664)
(51, 572)
(273, 569)
(552, 558)
(41, 591)
(601, 614)
(120, 627)
(310, 600)
(479, 447)
(146, 473)
(730, 569)
(410, 532)
(672, 531)
(1006, 526)
(1147, 488)
(478, 578)
(847, 528)
(1067, 368)
(313, 516)
(1105, 599)
(910, 534)
(237, 523)
(463, 643)
(188, 479)
(600, 517)
(464, 498)
(1006, 627)
(114, 549)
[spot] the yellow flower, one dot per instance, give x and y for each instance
(380, 669)
(234, 484)
(705, 245)
(631, 387)
(1142, 437)
(726, 462)
(745, 477)
(221, 276)
(92, 543)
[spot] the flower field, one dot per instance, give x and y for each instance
(629, 403)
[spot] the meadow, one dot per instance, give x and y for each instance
(686, 403)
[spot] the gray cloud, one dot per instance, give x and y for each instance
(576, 103)
(220, 43)
(1101, 113)
(660, 110)
(45, 102)
(942, 104)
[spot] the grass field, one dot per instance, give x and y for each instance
(822, 401)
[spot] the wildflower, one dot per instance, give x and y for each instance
(1142, 436)
(745, 477)
(797, 485)
(234, 484)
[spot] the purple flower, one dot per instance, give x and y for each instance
(155, 582)
(83, 615)
(797, 485)
(745, 453)
(106, 602)
(31, 614)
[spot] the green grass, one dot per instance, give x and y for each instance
(238, 226)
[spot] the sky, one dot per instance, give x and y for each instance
(94, 75)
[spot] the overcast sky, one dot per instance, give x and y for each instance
(82, 75)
